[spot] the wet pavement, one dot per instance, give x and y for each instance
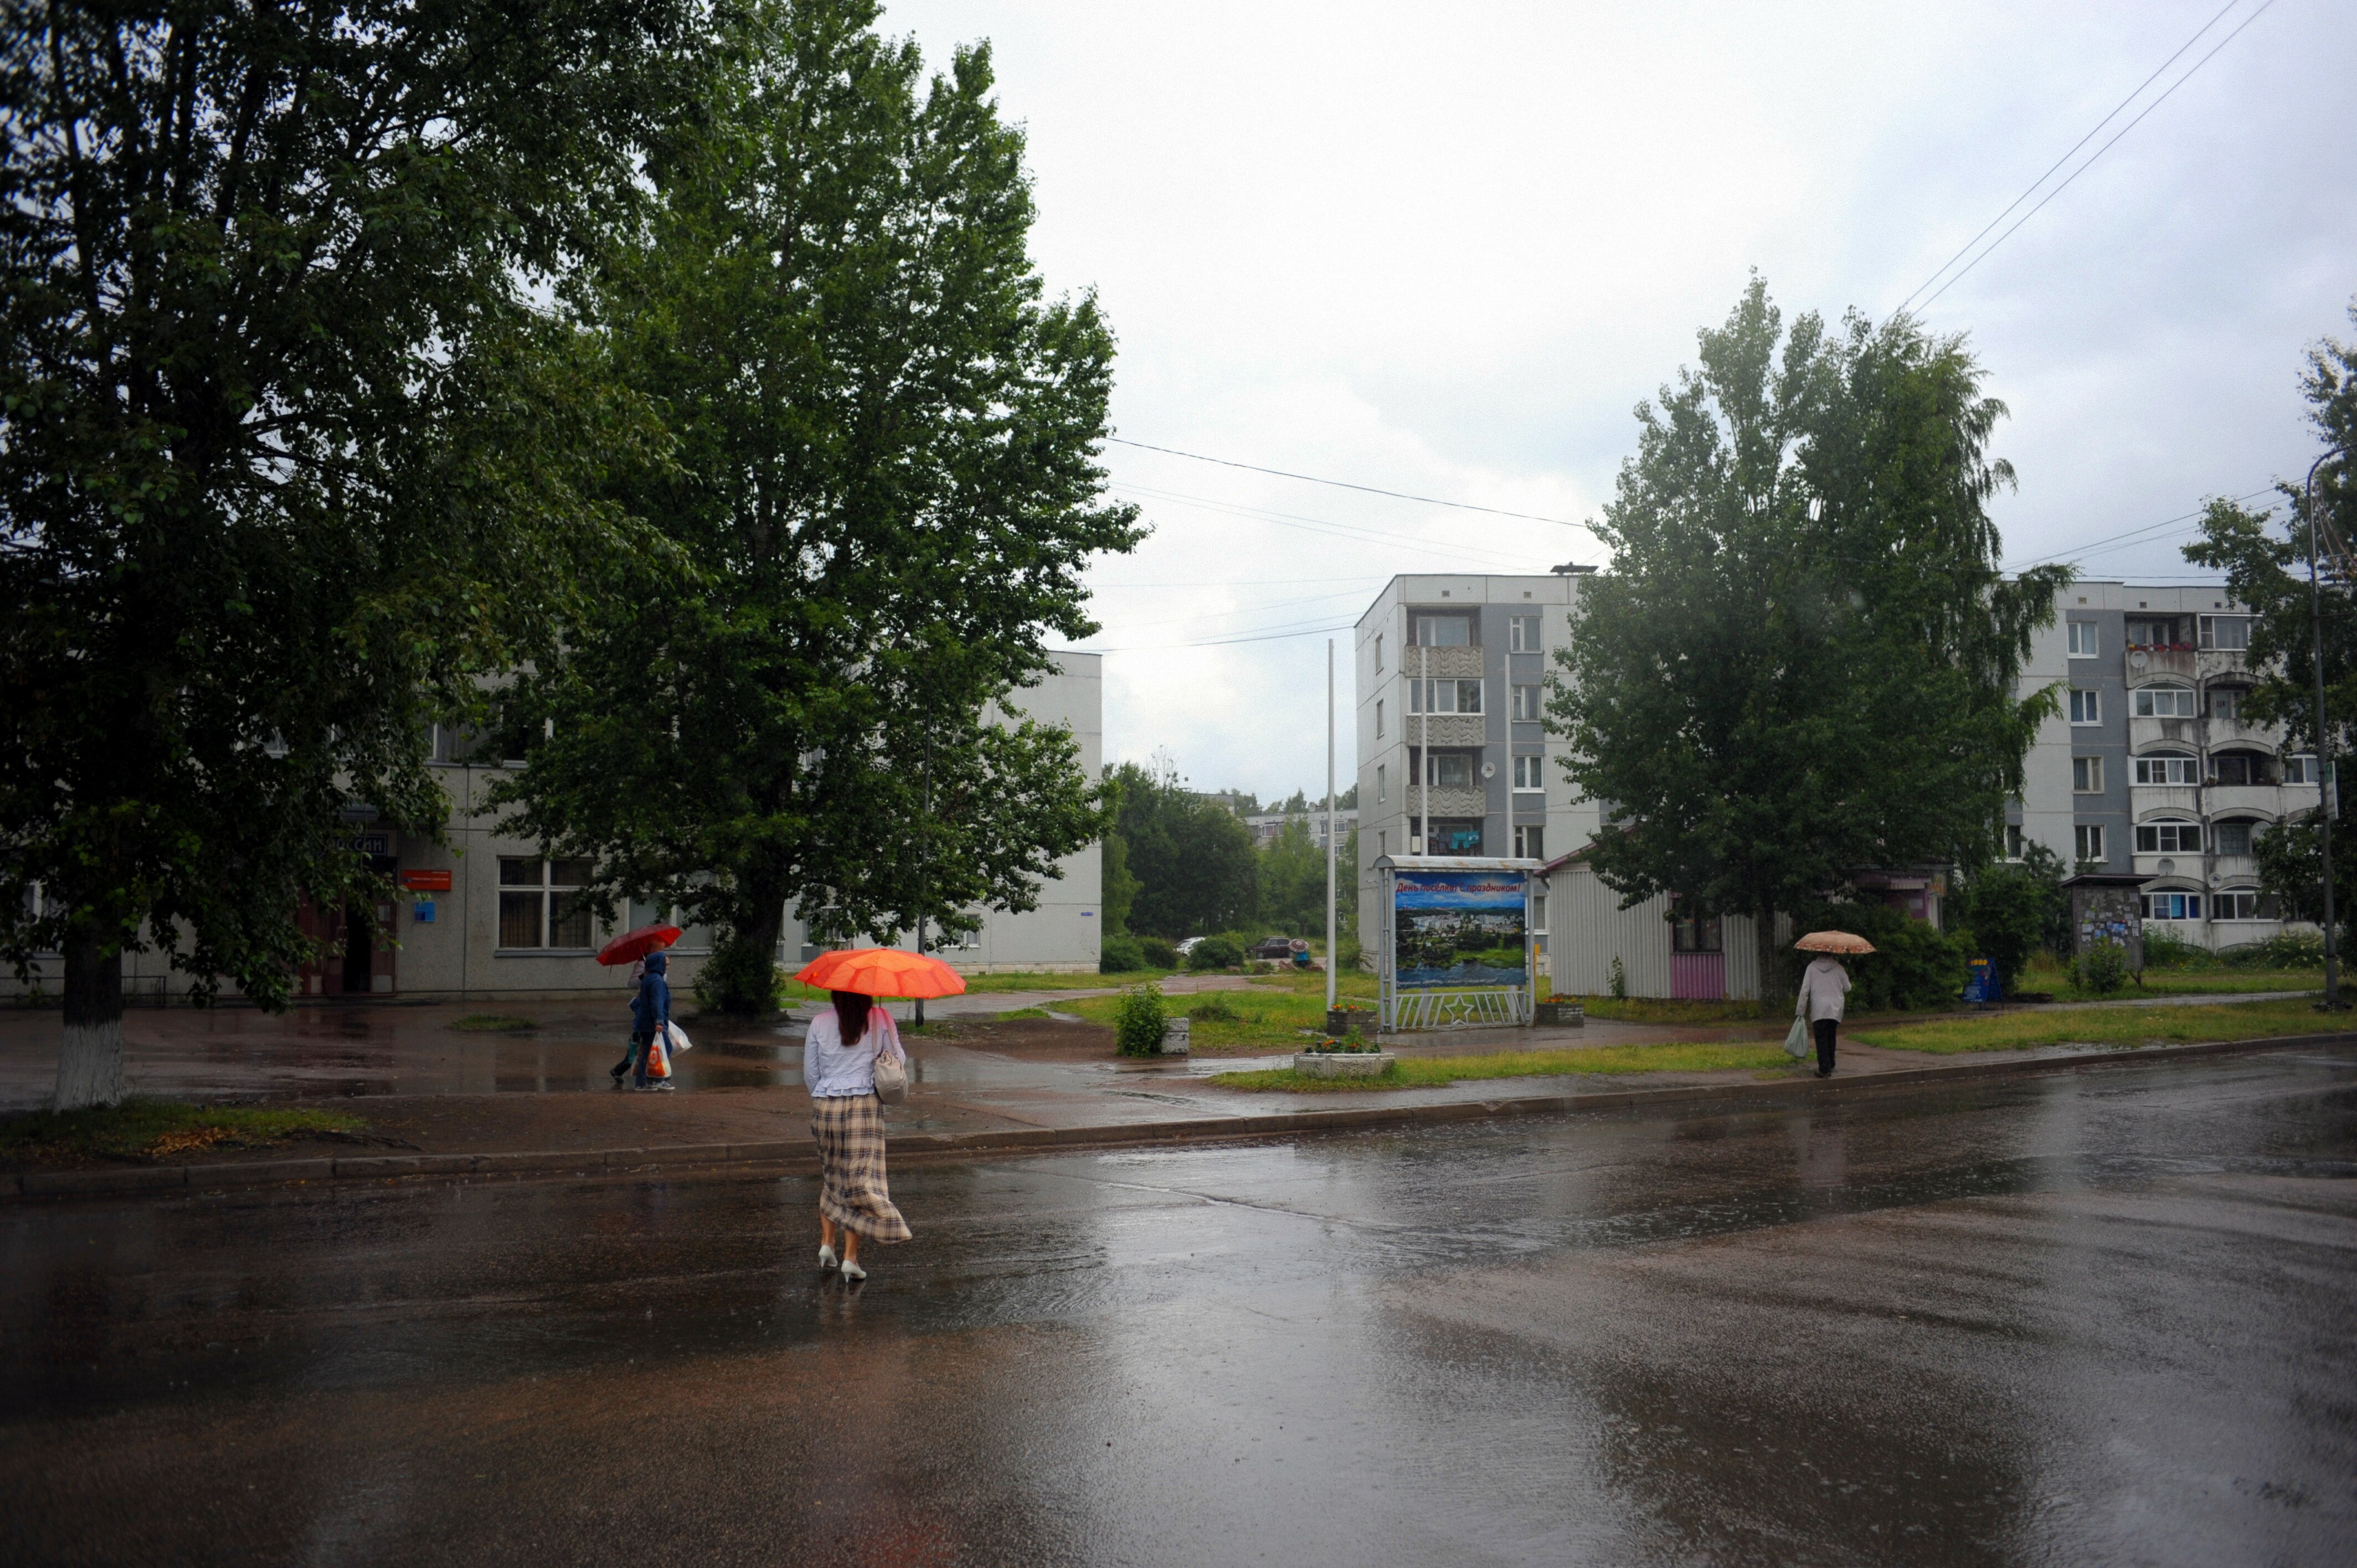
(2080, 1318)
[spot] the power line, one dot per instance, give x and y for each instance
(1320, 525)
(2099, 152)
(1347, 485)
(2134, 536)
(1225, 641)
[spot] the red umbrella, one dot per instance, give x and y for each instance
(882, 972)
(631, 946)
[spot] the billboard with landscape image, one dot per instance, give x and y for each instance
(1458, 929)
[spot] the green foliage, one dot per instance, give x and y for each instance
(2285, 950)
(1913, 966)
(2013, 910)
(1120, 955)
(2102, 969)
(1805, 658)
(883, 466)
(2166, 950)
(1293, 881)
(291, 450)
(1214, 953)
(1215, 1010)
(1138, 1018)
(741, 977)
(1193, 858)
(1349, 955)
(1618, 981)
(1159, 953)
(1119, 889)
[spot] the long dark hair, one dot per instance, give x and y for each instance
(851, 1014)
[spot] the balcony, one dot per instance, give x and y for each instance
(2146, 665)
(2271, 801)
(2148, 803)
(1444, 803)
(1447, 729)
(2216, 662)
(2225, 732)
(2234, 871)
(2144, 734)
(1442, 663)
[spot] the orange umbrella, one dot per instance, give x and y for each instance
(1834, 941)
(882, 972)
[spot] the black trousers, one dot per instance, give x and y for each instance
(1823, 1029)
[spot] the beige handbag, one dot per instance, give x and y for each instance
(891, 1079)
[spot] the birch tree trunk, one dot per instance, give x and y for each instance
(89, 1055)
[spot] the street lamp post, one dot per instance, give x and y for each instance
(2324, 791)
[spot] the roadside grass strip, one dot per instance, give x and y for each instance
(156, 1129)
(2116, 1026)
(1427, 1072)
(1662, 1010)
(1256, 1017)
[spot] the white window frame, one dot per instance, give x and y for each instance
(1421, 694)
(1382, 784)
(2231, 898)
(1432, 760)
(1533, 768)
(549, 891)
(2304, 764)
(2233, 696)
(2013, 841)
(2087, 838)
(2245, 824)
(2085, 640)
(2148, 707)
(2087, 776)
(2188, 906)
(2086, 706)
(1522, 836)
(2166, 769)
(1522, 634)
(2162, 832)
(1526, 705)
(2205, 634)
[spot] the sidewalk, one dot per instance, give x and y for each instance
(453, 1103)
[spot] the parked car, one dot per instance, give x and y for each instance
(1183, 948)
(1278, 947)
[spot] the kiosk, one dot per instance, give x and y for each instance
(1456, 949)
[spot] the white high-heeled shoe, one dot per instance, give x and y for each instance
(825, 1257)
(852, 1271)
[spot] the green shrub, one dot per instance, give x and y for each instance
(1138, 1019)
(2012, 910)
(1618, 981)
(1157, 952)
(2166, 950)
(2102, 968)
(740, 977)
(1119, 956)
(1348, 955)
(1215, 1010)
(1913, 964)
(1214, 953)
(2285, 950)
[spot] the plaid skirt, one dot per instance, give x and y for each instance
(849, 1131)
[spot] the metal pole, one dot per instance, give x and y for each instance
(1330, 957)
(2324, 791)
(1424, 750)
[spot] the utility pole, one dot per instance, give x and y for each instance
(1330, 957)
(2326, 795)
(1423, 690)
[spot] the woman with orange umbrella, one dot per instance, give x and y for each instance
(840, 1059)
(1824, 988)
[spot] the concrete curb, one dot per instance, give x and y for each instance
(933, 1148)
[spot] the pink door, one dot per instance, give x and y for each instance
(1698, 976)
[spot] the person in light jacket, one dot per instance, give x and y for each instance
(1825, 985)
(847, 1123)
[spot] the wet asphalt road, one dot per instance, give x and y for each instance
(2103, 1317)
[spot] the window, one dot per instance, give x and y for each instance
(1529, 773)
(2232, 632)
(1440, 631)
(1530, 842)
(1443, 696)
(1538, 910)
(1383, 841)
(2166, 768)
(2165, 703)
(2013, 841)
(2155, 632)
(2168, 838)
(1526, 704)
(2302, 770)
(2229, 838)
(2243, 904)
(1694, 936)
(2083, 639)
(538, 903)
(2088, 840)
(1455, 837)
(2238, 767)
(1378, 653)
(2226, 702)
(2087, 775)
(1382, 786)
(1522, 634)
(2086, 707)
(1449, 770)
(2171, 906)
(1379, 718)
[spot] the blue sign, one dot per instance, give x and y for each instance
(1983, 985)
(423, 911)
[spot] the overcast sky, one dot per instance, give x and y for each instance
(1446, 250)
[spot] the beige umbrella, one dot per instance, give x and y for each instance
(1834, 941)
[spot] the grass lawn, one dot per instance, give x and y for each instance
(2209, 980)
(1427, 1072)
(153, 1129)
(2101, 1026)
(1271, 1011)
(1662, 1010)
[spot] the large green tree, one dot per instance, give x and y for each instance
(2267, 570)
(288, 452)
(1803, 660)
(884, 491)
(1192, 858)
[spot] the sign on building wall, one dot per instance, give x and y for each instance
(1460, 928)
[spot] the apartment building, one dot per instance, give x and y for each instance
(2152, 767)
(1450, 676)
(1267, 826)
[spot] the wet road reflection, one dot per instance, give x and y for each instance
(2096, 1319)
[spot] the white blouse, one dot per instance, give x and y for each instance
(832, 1070)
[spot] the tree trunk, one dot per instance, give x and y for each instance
(90, 1056)
(1772, 981)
